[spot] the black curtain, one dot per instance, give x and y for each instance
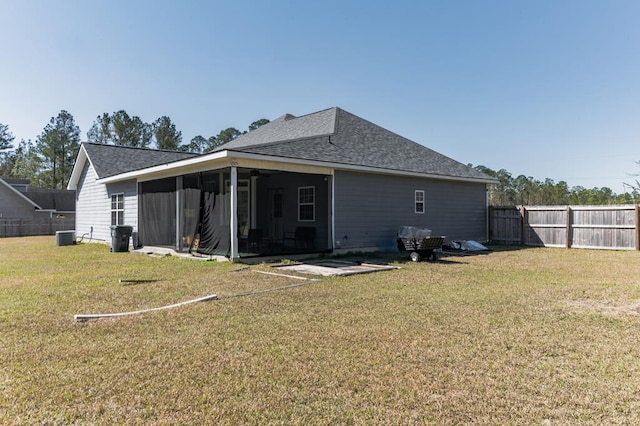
(158, 213)
(204, 215)
(212, 236)
(190, 216)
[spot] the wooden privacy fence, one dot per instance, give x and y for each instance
(29, 227)
(595, 227)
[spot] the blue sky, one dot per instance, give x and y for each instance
(549, 89)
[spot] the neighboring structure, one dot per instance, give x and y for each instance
(19, 201)
(321, 182)
(28, 211)
(14, 204)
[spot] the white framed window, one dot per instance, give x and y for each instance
(419, 201)
(307, 203)
(117, 209)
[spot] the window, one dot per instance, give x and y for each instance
(117, 209)
(419, 200)
(307, 203)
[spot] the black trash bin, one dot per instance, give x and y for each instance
(120, 235)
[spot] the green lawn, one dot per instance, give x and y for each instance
(528, 336)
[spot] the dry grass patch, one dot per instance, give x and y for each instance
(605, 308)
(502, 338)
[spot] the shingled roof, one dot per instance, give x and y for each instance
(337, 136)
(331, 136)
(287, 128)
(111, 160)
(53, 199)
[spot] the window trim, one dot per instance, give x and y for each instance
(418, 200)
(312, 204)
(117, 210)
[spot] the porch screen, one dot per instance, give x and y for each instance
(204, 214)
(189, 215)
(213, 235)
(158, 212)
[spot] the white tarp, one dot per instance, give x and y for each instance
(411, 232)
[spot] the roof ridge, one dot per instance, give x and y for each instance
(283, 117)
(281, 142)
(316, 112)
(309, 126)
(138, 148)
(288, 116)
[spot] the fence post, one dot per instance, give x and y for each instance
(637, 226)
(568, 233)
(490, 223)
(523, 225)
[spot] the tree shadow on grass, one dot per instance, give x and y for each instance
(504, 247)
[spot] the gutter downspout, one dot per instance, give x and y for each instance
(488, 213)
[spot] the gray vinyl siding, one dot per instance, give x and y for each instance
(369, 208)
(93, 206)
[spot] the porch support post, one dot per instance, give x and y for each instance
(233, 220)
(178, 213)
(332, 210)
(254, 203)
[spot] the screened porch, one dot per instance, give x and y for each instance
(276, 212)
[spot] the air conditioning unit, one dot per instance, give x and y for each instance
(65, 238)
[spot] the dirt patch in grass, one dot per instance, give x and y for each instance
(605, 308)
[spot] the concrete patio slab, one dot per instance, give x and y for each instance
(336, 267)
